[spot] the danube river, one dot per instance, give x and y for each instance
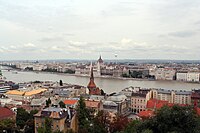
(109, 85)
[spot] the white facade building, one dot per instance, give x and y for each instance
(193, 77)
(181, 76)
(165, 74)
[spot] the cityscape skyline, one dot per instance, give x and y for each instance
(73, 29)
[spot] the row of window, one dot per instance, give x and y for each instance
(138, 100)
(138, 107)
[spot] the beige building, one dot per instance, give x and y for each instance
(139, 100)
(165, 74)
(182, 97)
(176, 97)
(58, 116)
(162, 94)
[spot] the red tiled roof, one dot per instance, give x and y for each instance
(195, 95)
(197, 111)
(92, 104)
(70, 102)
(146, 114)
(5, 113)
(154, 103)
(91, 84)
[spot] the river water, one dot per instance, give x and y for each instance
(109, 85)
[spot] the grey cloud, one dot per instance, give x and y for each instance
(51, 39)
(182, 34)
(120, 9)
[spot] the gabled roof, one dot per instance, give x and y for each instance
(52, 112)
(146, 114)
(154, 103)
(92, 104)
(38, 102)
(5, 113)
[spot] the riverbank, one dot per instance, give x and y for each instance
(107, 77)
(109, 85)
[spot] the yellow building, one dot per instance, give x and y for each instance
(24, 95)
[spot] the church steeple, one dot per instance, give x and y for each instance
(91, 84)
(93, 89)
(92, 74)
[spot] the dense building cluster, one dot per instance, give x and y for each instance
(57, 102)
(180, 71)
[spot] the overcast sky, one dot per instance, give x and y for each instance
(84, 29)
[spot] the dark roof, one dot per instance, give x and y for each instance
(55, 113)
(139, 94)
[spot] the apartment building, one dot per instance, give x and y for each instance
(181, 76)
(162, 94)
(139, 100)
(121, 102)
(165, 74)
(175, 97)
(193, 76)
(182, 97)
(58, 116)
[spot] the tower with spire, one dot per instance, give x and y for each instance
(100, 61)
(99, 66)
(93, 90)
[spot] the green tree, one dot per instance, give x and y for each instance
(83, 116)
(48, 123)
(61, 83)
(62, 104)
(69, 71)
(102, 92)
(175, 119)
(48, 102)
(47, 126)
(125, 75)
(29, 128)
(119, 124)
(22, 117)
(132, 127)
(7, 125)
(101, 122)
